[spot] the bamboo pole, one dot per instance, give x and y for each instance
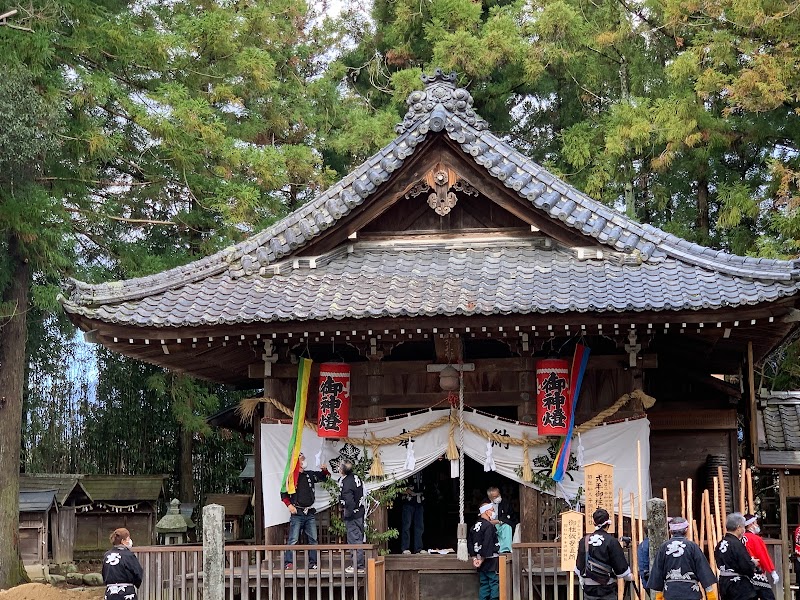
(742, 486)
(620, 522)
(696, 531)
(683, 499)
(689, 512)
(634, 546)
(750, 502)
(722, 493)
(702, 539)
(666, 504)
(712, 541)
(717, 518)
(639, 485)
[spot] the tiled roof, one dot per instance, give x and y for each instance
(65, 485)
(439, 109)
(512, 276)
(781, 414)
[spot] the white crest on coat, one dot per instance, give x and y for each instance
(596, 539)
(676, 548)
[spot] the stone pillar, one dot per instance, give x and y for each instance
(214, 552)
(656, 527)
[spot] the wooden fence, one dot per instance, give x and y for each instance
(256, 572)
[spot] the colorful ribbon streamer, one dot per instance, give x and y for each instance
(292, 470)
(578, 370)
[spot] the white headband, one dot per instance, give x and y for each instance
(599, 525)
(679, 526)
(750, 521)
(485, 507)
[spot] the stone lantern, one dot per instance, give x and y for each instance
(171, 529)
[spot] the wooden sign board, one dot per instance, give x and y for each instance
(599, 489)
(792, 485)
(571, 536)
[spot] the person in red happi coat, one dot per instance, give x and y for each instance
(766, 576)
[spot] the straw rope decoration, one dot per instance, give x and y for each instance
(246, 410)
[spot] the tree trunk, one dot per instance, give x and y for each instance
(12, 370)
(702, 205)
(186, 471)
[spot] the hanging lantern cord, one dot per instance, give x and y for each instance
(462, 552)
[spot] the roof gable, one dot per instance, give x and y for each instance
(442, 111)
(110, 488)
(68, 487)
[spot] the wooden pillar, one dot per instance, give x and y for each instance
(529, 517)
(751, 385)
(272, 389)
(785, 539)
(258, 504)
(379, 518)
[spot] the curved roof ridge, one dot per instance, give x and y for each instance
(563, 202)
(270, 244)
(440, 107)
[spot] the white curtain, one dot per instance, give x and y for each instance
(614, 444)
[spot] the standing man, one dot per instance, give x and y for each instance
(413, 515)
(766, 576)
(303, 514)
(736, 568)
(680, 568)
(601, 560)
(505, 520)
(352, 501)
(483, 547)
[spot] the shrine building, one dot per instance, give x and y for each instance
(450, 247)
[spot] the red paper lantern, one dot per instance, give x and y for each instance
(553, 397)
(333, 412)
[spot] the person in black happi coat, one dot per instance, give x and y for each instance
(736, 568)
(680, 568)
(352, 501)
(484, 546)
(601, 560)
(122, 572)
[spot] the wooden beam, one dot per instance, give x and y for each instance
(608, 362)
(751, 383)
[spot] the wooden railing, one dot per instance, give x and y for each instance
(256, 572)
(506, 577)
(376, 579)
(537, 571)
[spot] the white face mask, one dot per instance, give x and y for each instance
(756, 529)
(129, 543)
(497, 500)
(303, 464)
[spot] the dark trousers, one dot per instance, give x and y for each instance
(299, 523)
(355, 535)
(413, 517)
(489, 585)
(600, 592)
